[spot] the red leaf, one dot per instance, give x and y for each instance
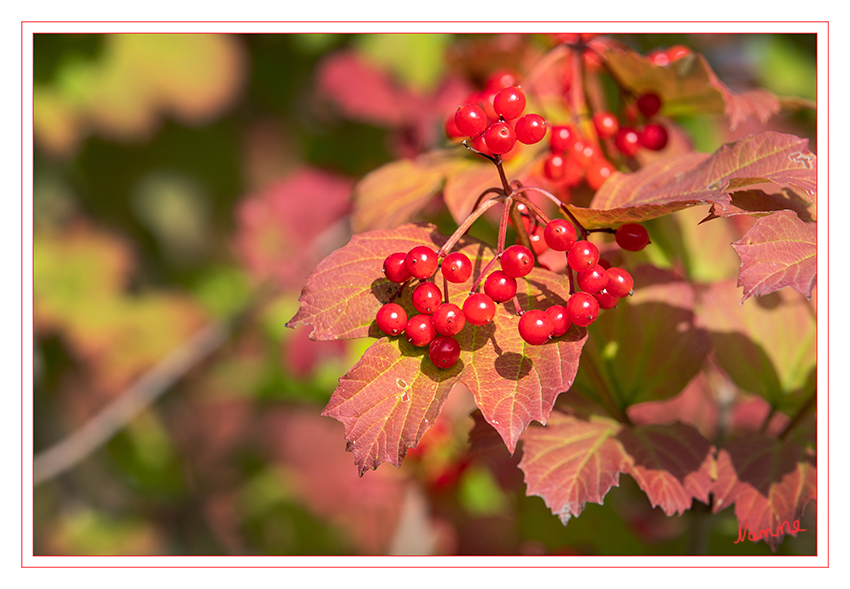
(666, 186)
(362, 91)
(395, 193)
(572, 461)
(780, 250)
(277, 234)
(769, 481)
(673, 464)
(345, 291)
(759, 203)
(388, 400)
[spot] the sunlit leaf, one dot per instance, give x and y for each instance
(780, 250)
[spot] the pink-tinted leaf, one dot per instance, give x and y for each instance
(277, 235)
(780, 250)
(666, 186)
(363, 91)
(673, 464)
(759, 203)
(767, 346)
(649, 347)
(689, 86)
(572, 461)
(388, 400)
(395, 193)
(770, 481)
(347, 288)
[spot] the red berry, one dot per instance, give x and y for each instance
(583, 152)
(391, 319)
(450, 127)
(530, 129)
(583, 256)
(620, 283)
(448, 319)
(470, 119)
(500, 138)
(560, 235)
(627, 141)
(479, 309)
(632, 237)
(500, 287)
(649, 104)
(593, 280)
(517, 261)
(420, 331)
(395, 269)
(605, 299)
(485, 101)
(560, 320)
(444, 351)
(554, 166)
(654, 137)
(604, 263)
(583, 309)
(606, 124)
(535, 327)
(427, 297)
(500, 79)
(509, 102)
(659, 57)
(677, 52)
(598, 171)
(535, 236)
(421, 262)
(456, 267)
(562, 138)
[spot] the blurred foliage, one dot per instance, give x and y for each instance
(147, 149)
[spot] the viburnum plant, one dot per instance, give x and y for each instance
(578, 325)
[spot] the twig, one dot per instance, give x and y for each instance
(114, 417)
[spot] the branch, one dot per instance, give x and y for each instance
(144, 392)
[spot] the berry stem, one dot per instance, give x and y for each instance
(445, 289)
(519, 310)
(467, 223)
(584, 232)
(570, 276)
(500, 243)
(538, 212)
(481, 153)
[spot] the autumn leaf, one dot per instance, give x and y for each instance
(779, 250)
(667, 186)
(577, 459)
(770, 481)
(512, 382)
(759, 203)
(395, 193)
(767, 346)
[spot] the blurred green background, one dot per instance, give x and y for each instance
(183, 180)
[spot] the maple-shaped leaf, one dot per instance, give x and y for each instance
(395, 193)
(767, 346)
(577, 458)
(648, 348)
(572, 461)
(513, 383)
(345, 291)
(388, 400)
(673, 464)
(689, 86)
(770, 481)
(666, 186)
(779, 250)
(759, 203)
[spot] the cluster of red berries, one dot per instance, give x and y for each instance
(494, 119)
(652, 135)
(439, 320)
(664, 57)
(572, 157)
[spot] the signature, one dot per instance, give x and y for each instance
(744, 534)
